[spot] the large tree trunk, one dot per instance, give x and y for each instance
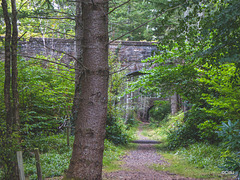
(79, 61)
(86, 161)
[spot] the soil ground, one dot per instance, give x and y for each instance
(136, 165)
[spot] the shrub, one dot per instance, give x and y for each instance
(230, 133)
(208, 131)
(159, 111)
(202, 155)
(189, 132)
(9, 146)
(232, 164)
(57, 143)
(45, 96)
(116, 130)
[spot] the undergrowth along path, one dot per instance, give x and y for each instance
(136, 165)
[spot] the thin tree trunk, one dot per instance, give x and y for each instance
(174, 103)
(12, 111)
(7, 83)
(15, 94)
(86, 161)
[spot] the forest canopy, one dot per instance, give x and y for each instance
(196, 62)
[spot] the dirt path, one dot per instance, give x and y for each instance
(136, 165)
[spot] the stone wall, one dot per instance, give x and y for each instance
(129, 52)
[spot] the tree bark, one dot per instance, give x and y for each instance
(12, 108)
(7, 67)
(15, 94)
(86, 161)
(174, 104)
(79, 61)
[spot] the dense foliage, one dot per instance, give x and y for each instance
(46, 95)
(198, 59)
(46, 92)
(159, 112)
(116, 130)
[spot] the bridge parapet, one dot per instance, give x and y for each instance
(128, 52)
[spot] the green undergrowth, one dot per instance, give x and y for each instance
(198, 160)
(161, 130)
(55, 156)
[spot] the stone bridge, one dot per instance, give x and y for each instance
(129, 53)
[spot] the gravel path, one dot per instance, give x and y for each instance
(136, 165)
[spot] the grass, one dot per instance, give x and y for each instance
(180, 166)
(56, 158)
(55, 155)
(153, 135)
(158, 131)
(199, 160)
(196, 161)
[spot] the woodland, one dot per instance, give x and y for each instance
(75, 115)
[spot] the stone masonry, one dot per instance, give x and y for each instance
(129, 53)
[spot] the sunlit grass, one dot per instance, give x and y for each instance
(199, 160)
(180, 166)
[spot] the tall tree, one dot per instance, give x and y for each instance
(86, 161)
(79, 59)
(15, 95)
(11, 102)
(7, 83)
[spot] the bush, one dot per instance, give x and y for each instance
(208, 130)
(57, 143)
(116, 130)
(230, 134)
(202, 155)
(232, 163)
(56, 158)
(132, 120)
(189, 132)
(8, 148)
(45, 99)
(159, 111)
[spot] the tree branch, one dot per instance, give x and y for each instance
(22, 6)
(40, 17)
(64, 13)
(22, 35)
(119, 6)
(47, 61)
(64, 53)
(145, 23)
(120, 69)
(55, 30)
